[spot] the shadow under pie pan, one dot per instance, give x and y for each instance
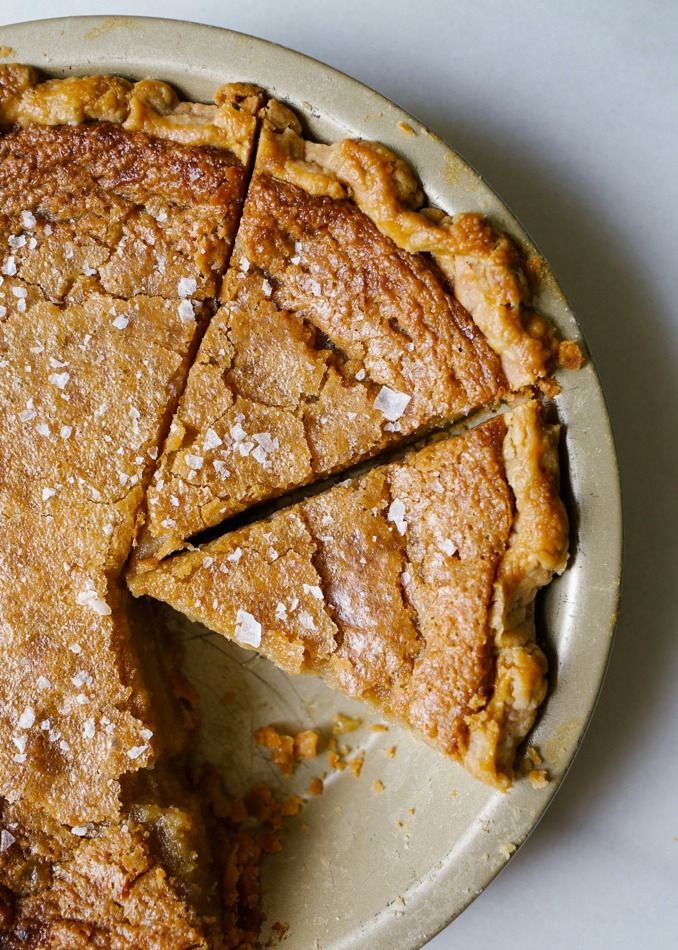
(361, 869)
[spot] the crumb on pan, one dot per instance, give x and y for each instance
(539, 778)
(287, 751)
(316, 786)
(342, 724)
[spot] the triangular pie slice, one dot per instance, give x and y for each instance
(118, 206)
(411, 587)
(351, 318)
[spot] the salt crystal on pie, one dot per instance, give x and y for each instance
(27, 718)
(396, 514)
(90, 598)
(194, 461)
(313, 590)
(186, 312)
(247, 629)
(211, 440)
(7, 839)
(186, 286)
(391, 403)
(59, 379)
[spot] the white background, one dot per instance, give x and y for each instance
(570, 110)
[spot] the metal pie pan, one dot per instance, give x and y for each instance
(363, 868)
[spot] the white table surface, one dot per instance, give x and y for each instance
(571, 113)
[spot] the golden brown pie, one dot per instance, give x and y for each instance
(350, 318)
(411, 587)
(164, 317)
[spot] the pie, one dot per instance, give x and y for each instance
(336, 337)
(411, 587)
(189, 330)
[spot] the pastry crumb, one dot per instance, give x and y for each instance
(539, 778)
(406, 128)
(306, 744)
(287, 751)
(379, 727)
(316, 786)
(506, 849)
(342, 724)
(356, 764)
(570, 355)
(378, 786)
(291, 807)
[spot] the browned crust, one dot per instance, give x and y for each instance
(148, 106)
(537, 549)
(484, 266)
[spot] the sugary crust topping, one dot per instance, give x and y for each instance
(484, 267)
(105, 209)
(148, 106)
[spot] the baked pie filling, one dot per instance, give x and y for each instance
(200, 311)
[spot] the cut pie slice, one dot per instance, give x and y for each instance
(351, 318)
(411, 587)
(118, 206)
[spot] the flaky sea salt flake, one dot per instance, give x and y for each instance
(90, 598)
(186, 312)
(212, 440)
(391, 403)
(7, 839)
(186, 287)
(59, 380)
(194, 461)
(136, 751)
(396, 514)
(247, 629)
(313, 590)
(27, 718)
